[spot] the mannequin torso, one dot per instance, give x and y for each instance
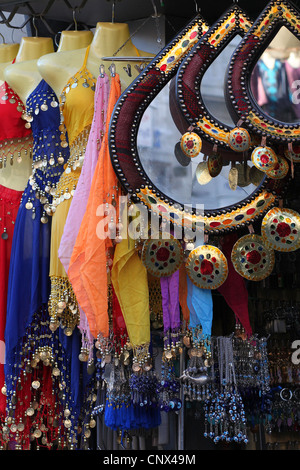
(58, 68)
(8, 53)
(71, 40)
(294, 60)
(23, 77)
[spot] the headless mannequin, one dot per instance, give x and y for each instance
(294, 59)
(23, 77)
(269, 60)
(70, 40)
(58, 68)
(8, 53)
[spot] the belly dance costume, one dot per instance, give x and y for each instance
(37, 370)
(77, 111)
(15, 140)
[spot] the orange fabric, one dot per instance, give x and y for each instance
(88, 266)
(183, 293)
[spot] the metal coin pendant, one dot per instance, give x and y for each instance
(54, 104)
(136, 368)
(191, 144)
(233, 178)
(202, 174)
(13, 428)
(181, 157)
(68, 331)
(30, 411)
(56, 372)
(67, 423)
(21, 427)
(37, 433)
(35, 384)
(92, 423)
(4, 235)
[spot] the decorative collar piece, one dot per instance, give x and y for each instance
(252, 259)
(281, 229)
(207, 267)
(162, 257)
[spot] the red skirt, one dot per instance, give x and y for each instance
(9, 206)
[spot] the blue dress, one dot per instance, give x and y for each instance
(30, 344)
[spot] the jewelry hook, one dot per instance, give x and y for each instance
(74, 19)
(198, 9)
(3, 39)
(156, 15)
(34, 25)
(113, 11)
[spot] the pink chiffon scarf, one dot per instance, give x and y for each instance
(81, 195)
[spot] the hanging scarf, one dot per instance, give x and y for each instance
(171, 309)
(234, 288)
(119, 326)
(88, 270)
(200, 305)
(130, 281)
(183, 289)
(81, 195)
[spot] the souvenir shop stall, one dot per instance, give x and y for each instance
(150, 226)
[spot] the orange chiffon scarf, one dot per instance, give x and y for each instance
(88, 270)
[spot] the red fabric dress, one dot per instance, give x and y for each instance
(14, 136)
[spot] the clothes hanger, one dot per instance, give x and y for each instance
(74, 23)
(134, 58)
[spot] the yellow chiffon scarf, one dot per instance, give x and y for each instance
(130, 281)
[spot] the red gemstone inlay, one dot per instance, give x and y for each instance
(162, 254)
(206, 267)
(264, 158)
(283, 229)
(253, 257)
(190, 144)
(250, 211)
(239, 139)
